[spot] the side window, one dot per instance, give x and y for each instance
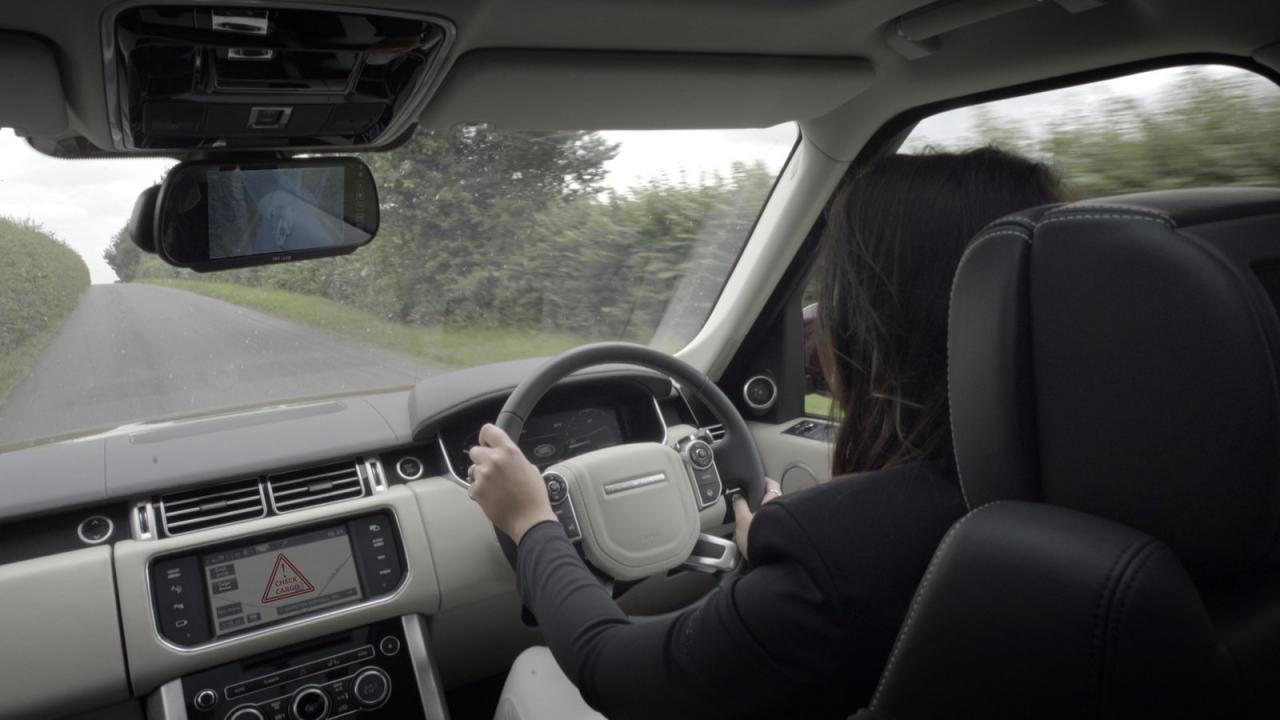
(1159, 130)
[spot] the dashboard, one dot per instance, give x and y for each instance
(206, 558)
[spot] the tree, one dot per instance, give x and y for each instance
(123, 255)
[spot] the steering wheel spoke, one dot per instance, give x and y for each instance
(712, 554)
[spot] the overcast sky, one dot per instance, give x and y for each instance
(85, 202)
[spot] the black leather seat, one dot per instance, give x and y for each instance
(1115, 396)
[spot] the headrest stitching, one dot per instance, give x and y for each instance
(951, 413)
(1102, 609)
(907, 624)
(1061, 218)
(1112, 206)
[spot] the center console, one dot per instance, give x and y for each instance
(236, 588)
(382, 670)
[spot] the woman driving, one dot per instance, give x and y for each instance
(805, 632)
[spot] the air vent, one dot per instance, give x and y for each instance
(186, 512)
(716, 432)
(315, 486)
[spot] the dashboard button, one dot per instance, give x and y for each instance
(389, 645)
(372, 687)
(409, 468)
(246, 713)
(95, 529)
(205, 700)
(309, 703)
(179, 600)
(276, 709)
(373, 538)
(364, 653)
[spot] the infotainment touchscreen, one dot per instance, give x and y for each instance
(279, 579)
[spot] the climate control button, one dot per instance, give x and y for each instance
(372, 687)
(205, 700)
(309, 703)
(246, 713)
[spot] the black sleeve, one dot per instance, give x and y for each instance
(743, 650)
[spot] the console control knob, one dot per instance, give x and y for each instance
(372, 687)
(205, 700)
(246, 713)
(309, 703)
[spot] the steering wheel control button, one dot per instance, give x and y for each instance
(700, 455)
(557, 489)
(371, 687)
(707, 482)
(205, 700)
(95, 529)
(568, 520)
(246, 713)
(389, 645)
(309, 703)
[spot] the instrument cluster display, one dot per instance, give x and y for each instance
(551, 437)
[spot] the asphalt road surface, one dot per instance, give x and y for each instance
(140, 352)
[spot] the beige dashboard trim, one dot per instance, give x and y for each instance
(796, 462)
(154, 661)
(59, 639)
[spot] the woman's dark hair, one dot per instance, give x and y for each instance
(894, 237)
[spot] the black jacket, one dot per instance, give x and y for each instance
(803, 634)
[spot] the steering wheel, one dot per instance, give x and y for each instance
(634, 507)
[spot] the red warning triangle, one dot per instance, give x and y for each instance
(286, 581)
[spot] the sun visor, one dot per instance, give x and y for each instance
(552, 90)
(31, 87)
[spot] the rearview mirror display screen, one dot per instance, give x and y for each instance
(216, 215)
(279, 579)
(254, 212)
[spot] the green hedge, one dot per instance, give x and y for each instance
(41, 281)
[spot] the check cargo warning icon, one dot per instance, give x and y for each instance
(286, 581)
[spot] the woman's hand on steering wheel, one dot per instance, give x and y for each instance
(507, 486)
(742, 514)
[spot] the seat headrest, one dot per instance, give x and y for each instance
(1118, 356)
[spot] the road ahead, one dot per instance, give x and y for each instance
(136, 352)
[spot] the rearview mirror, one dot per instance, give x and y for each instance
(215, 215)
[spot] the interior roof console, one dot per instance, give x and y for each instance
(240, 77)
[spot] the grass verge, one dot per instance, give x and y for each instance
(819, 405)
(41, 282)
(16, 363)
(454, 347)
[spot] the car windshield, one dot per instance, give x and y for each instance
(494, 245)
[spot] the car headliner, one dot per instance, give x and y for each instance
(631, 64)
